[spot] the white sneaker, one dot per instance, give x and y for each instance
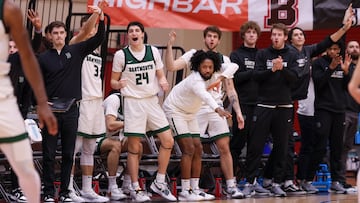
(75, 197)
(163, 190)
(203, 194)
(234, 192)
(126, 189)
(190, 196)
(91, 196)
(139, 195)
(116, 193)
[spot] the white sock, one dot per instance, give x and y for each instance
(86, 183)
(231, 182)
(126, 181)
(112, 181)
(194, 182)
(185, 184)
(160, 178)
(71, 183)
(135, 185)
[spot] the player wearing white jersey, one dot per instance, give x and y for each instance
(138, 72)
(91, 123)
(211, 125)
(181, 106)
(14, 142)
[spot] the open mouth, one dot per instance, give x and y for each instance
(135, 39)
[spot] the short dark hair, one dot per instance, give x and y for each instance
(135, 23)
(280, 26)
(47, 29)
(212, 28)
(200, 55)
(249, 25)
(291, 32)
(56, 24)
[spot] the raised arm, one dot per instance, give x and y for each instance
(13, 20)
(170, 63)
(88, 26)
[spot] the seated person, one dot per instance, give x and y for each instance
(114, 144)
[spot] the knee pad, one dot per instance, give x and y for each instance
(87, 155)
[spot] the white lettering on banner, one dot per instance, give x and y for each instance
(180, 6)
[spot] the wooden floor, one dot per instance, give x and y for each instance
(319, 198)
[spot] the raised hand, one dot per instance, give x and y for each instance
(34, 18)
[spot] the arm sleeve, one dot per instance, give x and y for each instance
(199, 89)
(229, 69)
(91, 44)
(242, 74)
(320, 74)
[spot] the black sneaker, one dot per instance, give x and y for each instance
(292, 189)
(17, 195)
(65, 198)
(49, 198)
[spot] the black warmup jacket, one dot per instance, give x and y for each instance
(245, 85)
(300, 88)
(330, 86)
(275, 87)
(62, 72)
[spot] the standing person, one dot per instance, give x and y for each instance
(23, 94)
(209, 121)
(61, 67)
(275, 70)
(330, 77)
(91, 123)
(181, 106)
(354, 91)
(246, 87)
(351, 113)
(114, 143)
(13, 133)
(303, 92)
(138, 73)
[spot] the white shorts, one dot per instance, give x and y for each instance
(143, 115)
(211, 125)
(91, 119)
(12, 126)
(183, 126)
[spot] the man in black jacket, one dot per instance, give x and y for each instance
(275, 70)
(330, 77)
(61, 67)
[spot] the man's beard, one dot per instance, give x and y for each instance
(205, 77)
(354, 56)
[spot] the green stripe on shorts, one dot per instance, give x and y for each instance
(14, 139)
(88, 136)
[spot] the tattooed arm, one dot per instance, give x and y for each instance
(233, 99)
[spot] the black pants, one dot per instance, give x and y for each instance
(67, 125)
(329, 130)
(306, 161)
(274, 121)
(351, 125)
(239, 137)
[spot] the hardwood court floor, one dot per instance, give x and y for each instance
(319, 198)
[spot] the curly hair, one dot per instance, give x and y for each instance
(199, 57)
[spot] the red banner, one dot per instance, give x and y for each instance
(229, 14)
(182, 14)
